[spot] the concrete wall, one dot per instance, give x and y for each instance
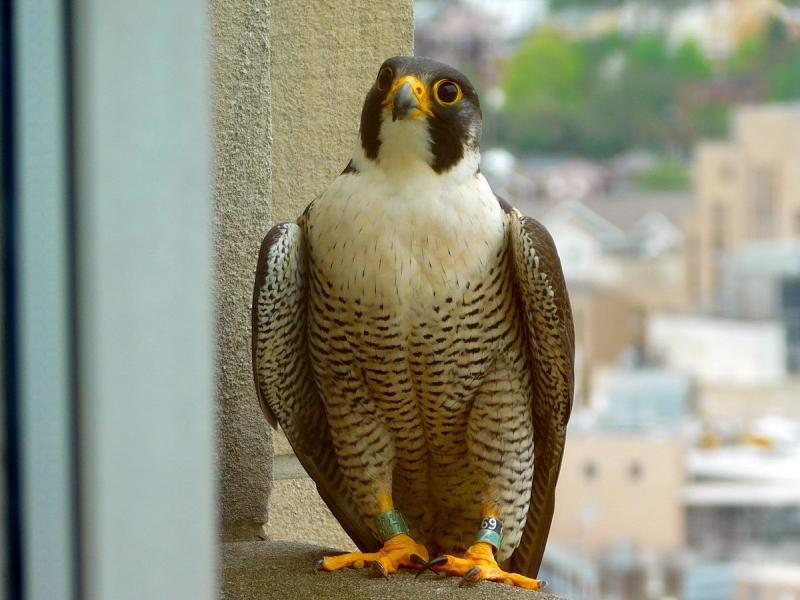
(325, 55)
(296, 512)
(289, 81)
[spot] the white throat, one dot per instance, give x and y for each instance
(405, 154)
(405, 146)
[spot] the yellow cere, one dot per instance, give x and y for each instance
(421, 91)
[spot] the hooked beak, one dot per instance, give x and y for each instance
(404, 102)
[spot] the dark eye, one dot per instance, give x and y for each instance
(385, 78)
(447, 92)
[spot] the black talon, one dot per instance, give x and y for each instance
(318, 565)
(542, 584)
(418, 560)
(439, 560)
(467, 578)
(378, 570)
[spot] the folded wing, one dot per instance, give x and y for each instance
(282, 370)
(543, 301)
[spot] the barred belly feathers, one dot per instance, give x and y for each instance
(413, 338)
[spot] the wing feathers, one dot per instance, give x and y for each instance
(548, 318)
(283, 376)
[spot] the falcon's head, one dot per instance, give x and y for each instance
(421, 110)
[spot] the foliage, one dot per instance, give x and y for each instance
(546, 69)
(748, 57)
(710, 122)
(773, 58)
(785, 77)
(665, 176)
(600, 96)
(595, 97)
(690, 63)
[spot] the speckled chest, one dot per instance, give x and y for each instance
(410, 284)
(400, 241)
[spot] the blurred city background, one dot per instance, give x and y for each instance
(660, 144)
(658, 141)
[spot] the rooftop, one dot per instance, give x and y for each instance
(771, 574)
(747, 464)
(741, 494)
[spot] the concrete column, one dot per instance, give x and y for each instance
(289, 80)
(243, 212)
(325, 55)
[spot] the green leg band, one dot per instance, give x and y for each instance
(390, 524)
(491, 532)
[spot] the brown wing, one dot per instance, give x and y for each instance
(282, 370)
(542, 297)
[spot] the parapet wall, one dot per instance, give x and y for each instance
(289, 79)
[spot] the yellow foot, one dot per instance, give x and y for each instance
(478, 564)
(399, 551)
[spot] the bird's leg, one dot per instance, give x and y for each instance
(399, 549)
(499, 437)
(478, 563)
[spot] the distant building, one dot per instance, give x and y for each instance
(706, 581)
(618, 527)
(732, 402)
(582, 237)
(627, 18)
(468, 36)
(607, 330)
(623, 572)
(618, 272)
(645, 516)
(762, 281)
(754, 278)
(611, 485)
(573, 179)
(719, 26)
(570, 573)
(744, 498)
(724, 92)
(716, 351)
(628, 245)
(770, 581)
(641, 399)
(747, 189)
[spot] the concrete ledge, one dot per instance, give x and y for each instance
(267, 570)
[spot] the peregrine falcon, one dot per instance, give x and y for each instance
(413, 338)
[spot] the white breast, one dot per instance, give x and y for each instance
(388, 238)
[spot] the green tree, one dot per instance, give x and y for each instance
(603, 95)
(690, 62)
(773, 58)
(543, 87)
(666, 175)
(547, 68)
(646, 91)
(785, 78)
(749, 57)
(595, 52)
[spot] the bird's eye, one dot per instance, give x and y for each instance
(385, 78)
(447, 92)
